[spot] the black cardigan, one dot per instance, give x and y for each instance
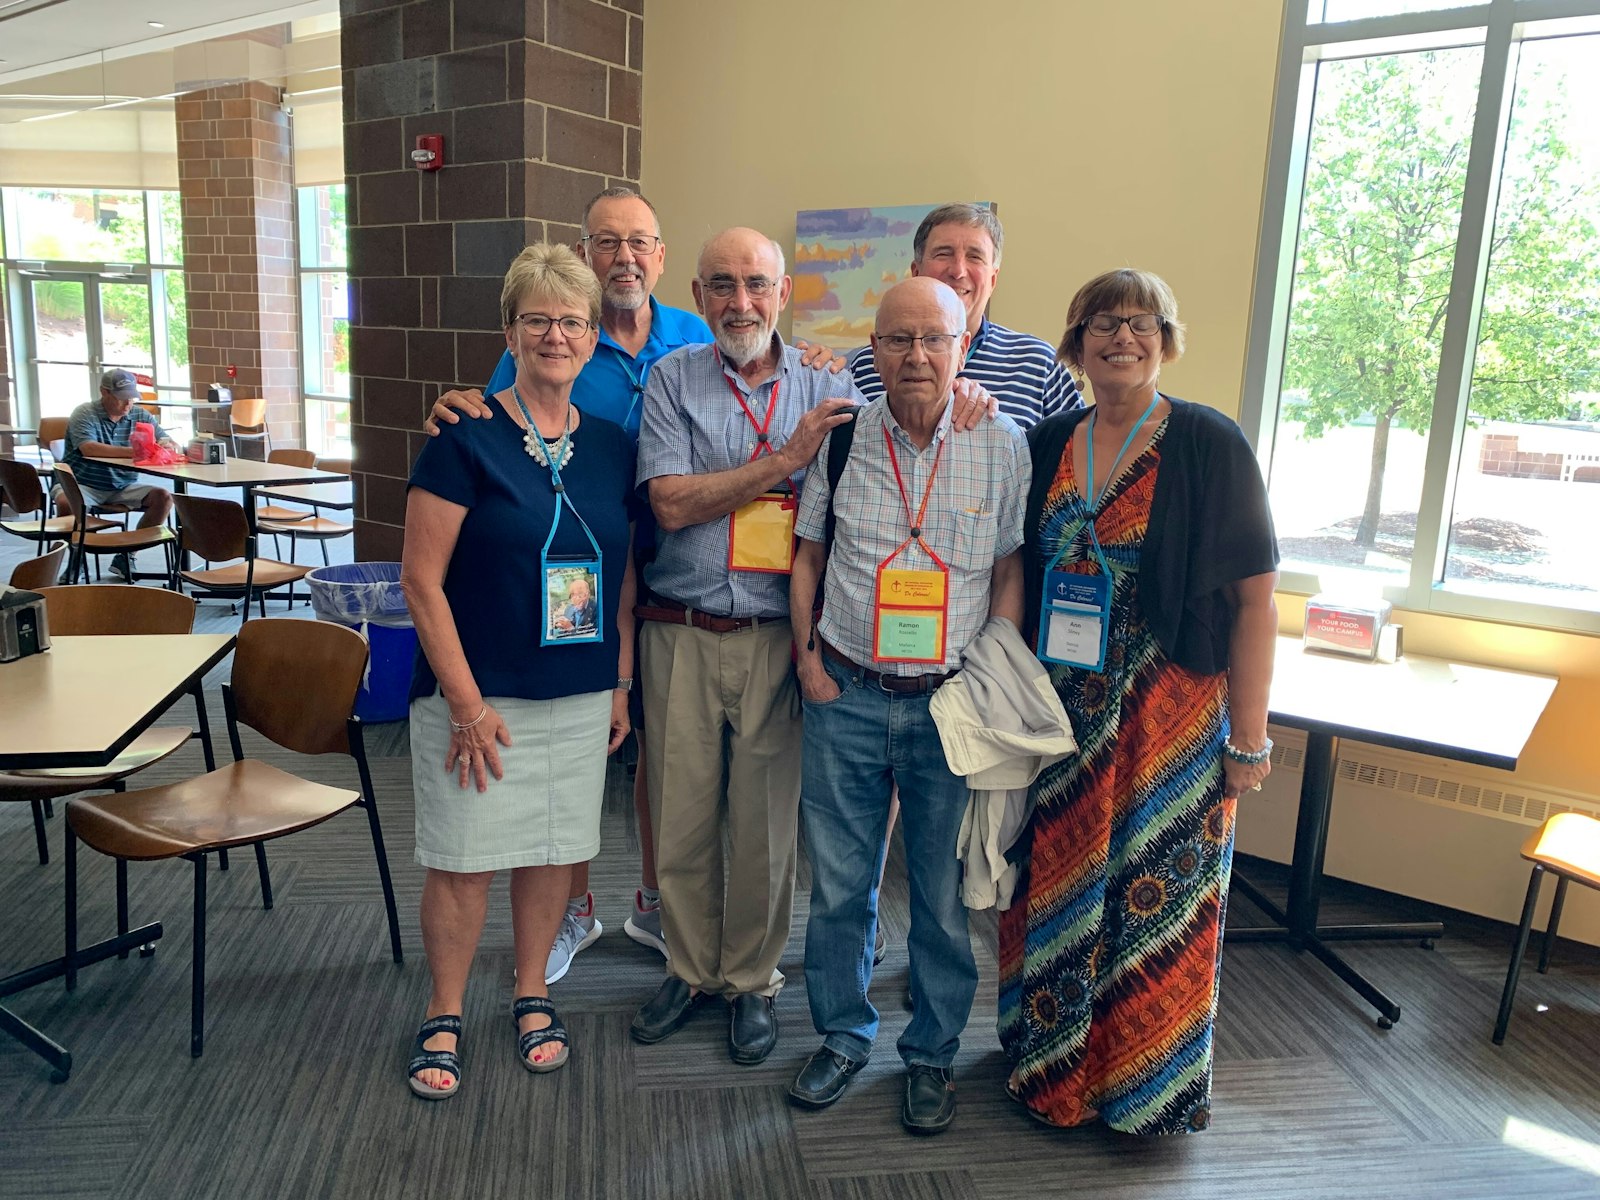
(1209, 526)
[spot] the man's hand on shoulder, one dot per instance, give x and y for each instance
(973, 405)
(801, 448)
(819, 358)
(445, 409)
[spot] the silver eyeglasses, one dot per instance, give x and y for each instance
(756, 287)
(538, 325)
(937, 345)
(610, 243)
(1106, 324)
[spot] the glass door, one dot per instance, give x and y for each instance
(78, 324)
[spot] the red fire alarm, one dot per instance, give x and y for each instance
(429, 154)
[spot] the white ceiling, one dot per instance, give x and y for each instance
(40, 37)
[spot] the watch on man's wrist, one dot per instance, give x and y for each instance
(624, 685)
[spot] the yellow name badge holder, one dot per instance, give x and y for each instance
(761, 533)
(910, 608)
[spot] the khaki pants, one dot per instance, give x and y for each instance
(723, 712)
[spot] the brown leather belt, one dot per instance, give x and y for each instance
(673, 613)
(899, 685)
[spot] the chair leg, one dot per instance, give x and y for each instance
(50, 810)
(222, 860)
(266, 877)
(71, 953)
(122, 900)
(40, 839)
(323, 542)
(204, 732)
(383, 875)
(197, 983)
(1554, 924)
(1513, 974)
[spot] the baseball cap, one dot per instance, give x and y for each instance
(120, 384)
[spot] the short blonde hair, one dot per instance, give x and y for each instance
(548, 271)
(1114, 289)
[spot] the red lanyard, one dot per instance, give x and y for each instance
(916, 522)
(763, 443)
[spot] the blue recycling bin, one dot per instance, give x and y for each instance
(366, 597)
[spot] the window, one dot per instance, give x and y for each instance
(98, 283)
(1424, 370)
(325, 319)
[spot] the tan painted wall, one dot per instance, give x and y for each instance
(1107, 138)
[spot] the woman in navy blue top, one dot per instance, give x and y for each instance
(515, 707)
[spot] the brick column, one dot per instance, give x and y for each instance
(539, 105)
(239, 249)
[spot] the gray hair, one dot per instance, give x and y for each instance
(549, 271)
(974, 215)
(619, 193)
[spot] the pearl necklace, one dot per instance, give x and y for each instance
(552, 455)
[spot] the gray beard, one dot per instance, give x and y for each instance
(744, 349)
(626, 301)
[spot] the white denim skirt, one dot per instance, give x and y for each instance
(545, 811)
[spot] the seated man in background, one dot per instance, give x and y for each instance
(104, 428)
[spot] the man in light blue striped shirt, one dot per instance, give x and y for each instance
(960, 245)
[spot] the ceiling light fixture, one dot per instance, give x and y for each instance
(155, 24)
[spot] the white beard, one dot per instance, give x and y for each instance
(744, 348)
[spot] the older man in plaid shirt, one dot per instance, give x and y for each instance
(926, 548)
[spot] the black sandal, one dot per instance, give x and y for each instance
(435, 1060)
(527, 1043)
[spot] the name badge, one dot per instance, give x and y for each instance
(910, 611)
(571, 601)
(761, 535)
(1074, 619)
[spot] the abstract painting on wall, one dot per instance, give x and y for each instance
(844, 260)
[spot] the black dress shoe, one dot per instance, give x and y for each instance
(752, 1030)
(930, 1103)
(823, 1079)
(665, 1013)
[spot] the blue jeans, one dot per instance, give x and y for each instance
(856, 749)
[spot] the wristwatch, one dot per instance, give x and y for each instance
(624, 685)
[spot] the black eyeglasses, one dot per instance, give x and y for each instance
(936, 344)
(538, 324)
(609, 243)
(755, 287)
(1106, 324)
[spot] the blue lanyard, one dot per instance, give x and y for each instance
(553, 461)
(1094, 497)
(637, 381)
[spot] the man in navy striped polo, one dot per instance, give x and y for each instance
(960, 245)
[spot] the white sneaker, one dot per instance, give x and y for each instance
(644, 926)
(576, 933)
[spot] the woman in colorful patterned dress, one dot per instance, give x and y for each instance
(1111, 952)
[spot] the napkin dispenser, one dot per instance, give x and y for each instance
(207, 451)
(1336, 625)
(24, 626)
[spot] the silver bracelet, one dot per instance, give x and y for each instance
(1248, 757)
(459, 728)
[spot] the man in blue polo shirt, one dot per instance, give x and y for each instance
(104, 428)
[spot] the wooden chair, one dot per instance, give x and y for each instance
(276, 512)
(219, 530)
(21, 489)
(317, 528)
(295, 683)
(1568, 847)
(247, 421)
(117, 541)
(102, 610)
(41, 570)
